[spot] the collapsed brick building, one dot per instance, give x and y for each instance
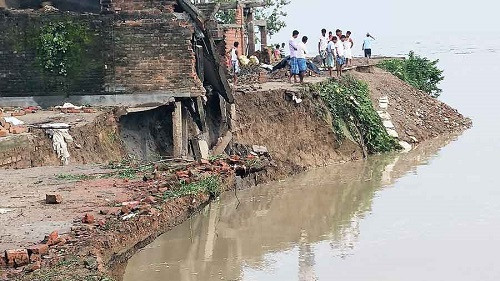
(158, 54)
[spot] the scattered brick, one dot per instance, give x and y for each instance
(53, 199)
(89, 110)
(150, 200)
(88, 219)
(34, 266)
(17, 258)
(4, 133)
(40, 249)
(35, 258)
(18, 130)
(18, 113)
(51, 239)
(125, 210)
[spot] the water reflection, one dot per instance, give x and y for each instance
(277, 226)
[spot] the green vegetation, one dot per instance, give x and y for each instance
(349, 103)
(60, 46)
(419, 72)
(79, 177)
(209, 184)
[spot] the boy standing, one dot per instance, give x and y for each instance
(301, 58)
(323, 41)
(340, 52)
(330, 55)
(294, 65)
(348, 44)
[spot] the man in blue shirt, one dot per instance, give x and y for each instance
(367, 45)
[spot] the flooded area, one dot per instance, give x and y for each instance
(431, 214)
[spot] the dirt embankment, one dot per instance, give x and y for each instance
(414, 113)
(96, 140)
(297, 136)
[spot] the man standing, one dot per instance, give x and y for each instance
(340, 53)
(338, 33)
(330, 54)
(235, 65)
(323, 41)
(367, 45)
(294, 47)
(301, 58)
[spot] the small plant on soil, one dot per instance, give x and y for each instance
(420, 72)
(209, 184)
(348, 101)
(80, 177)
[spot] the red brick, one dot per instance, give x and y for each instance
(34, 266)
(88, 219)
(89, 110)
(17, 258)
(35, 258)
(53, 198)
(51, 238)
(18, 113)
(18, 130)
(40, 249)
(4, 133)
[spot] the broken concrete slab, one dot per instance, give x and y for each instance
(223, 143)
(388, 124)
(260, 149)
(406, 146)
(393, 133)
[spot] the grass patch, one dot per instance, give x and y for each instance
(420, 72)
(348, 101)
(79, 177)
(209, 184)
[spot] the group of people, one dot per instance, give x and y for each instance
(335, 52)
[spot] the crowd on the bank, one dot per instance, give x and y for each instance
(335, 52)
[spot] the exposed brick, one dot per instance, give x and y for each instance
(40, 249)
(17, 258)
(4, 133)
(18, 130)
(88, 219)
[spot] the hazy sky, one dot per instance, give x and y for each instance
(391, 18)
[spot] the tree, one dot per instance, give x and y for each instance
(273, 13)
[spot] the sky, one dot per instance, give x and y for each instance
(391, 18)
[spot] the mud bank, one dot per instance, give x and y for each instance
(298, 136)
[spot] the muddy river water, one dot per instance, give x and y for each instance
(431, 214)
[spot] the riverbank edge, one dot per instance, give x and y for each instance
(103, 256)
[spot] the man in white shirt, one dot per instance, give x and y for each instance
(339, 52)
(294, 66)
(323, 41)
(301, 58)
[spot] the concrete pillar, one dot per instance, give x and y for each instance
(177, 129)
(251, 33)
(263, 38)
(185, 132)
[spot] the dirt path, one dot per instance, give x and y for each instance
(26, 218)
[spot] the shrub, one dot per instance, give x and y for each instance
(349, 103)
(419, 72)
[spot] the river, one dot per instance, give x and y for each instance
(431, 214)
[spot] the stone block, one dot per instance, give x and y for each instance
(17, 257)
(53, 199)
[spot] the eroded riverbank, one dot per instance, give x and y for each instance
(275, 231)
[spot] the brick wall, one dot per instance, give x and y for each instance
(144, 48)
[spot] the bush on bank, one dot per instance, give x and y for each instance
(420, 72)
(349, 103)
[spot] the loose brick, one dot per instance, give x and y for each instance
(88, 219)
(53, 198)
(18, 130)
(18, 113)
(40, 249)
(4, 133)
(51, 239)
(17, 258)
